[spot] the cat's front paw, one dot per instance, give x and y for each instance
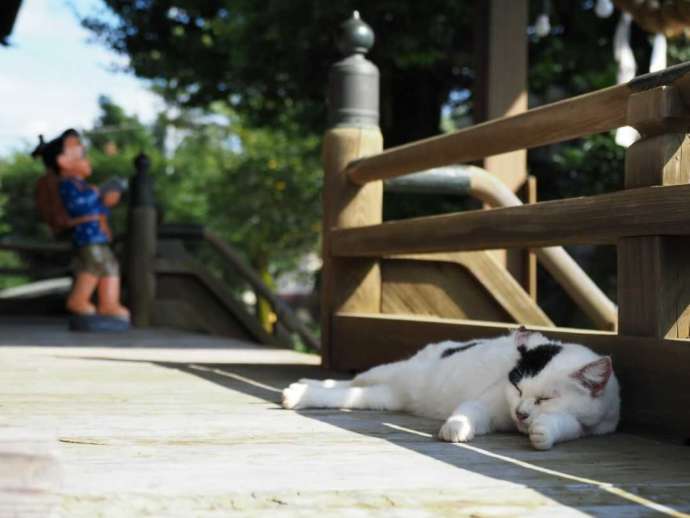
(540, 435)
(295, 396)
(458, 428)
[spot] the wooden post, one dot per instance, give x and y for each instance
(530, 257)
(352, 285)
(501, 91)
(141, 245)
(654, 271)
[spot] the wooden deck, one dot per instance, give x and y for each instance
(161, 423)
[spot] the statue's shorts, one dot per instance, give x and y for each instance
(97, 260)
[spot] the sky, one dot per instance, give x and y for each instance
(52, 74)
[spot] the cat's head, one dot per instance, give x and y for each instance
(554, 377)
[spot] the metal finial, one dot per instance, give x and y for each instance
(141, 184)
(356, 36)
(142, 163)
(353, 91)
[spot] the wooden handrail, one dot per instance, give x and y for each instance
(35, 246)
(571, 277)
(599, 219)
(482, 185)
(283, 312)
(586, 114)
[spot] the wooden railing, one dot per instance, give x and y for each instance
(648, 222)
(601, 220)
(470, 180)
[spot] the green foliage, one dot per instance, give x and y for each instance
(259, 189)
(273, 56)
(273, 193)
(18, 217)
(114, 127)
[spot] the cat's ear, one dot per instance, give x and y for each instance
(594, 375)
(521, 338)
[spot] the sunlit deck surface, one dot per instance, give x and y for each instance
(164, 423)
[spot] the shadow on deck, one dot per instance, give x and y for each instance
(169, 423)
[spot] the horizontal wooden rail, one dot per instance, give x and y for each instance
(592, 220)
(472, 180)
(284, 313)
(653, 372)
(587, 114)
(35, 247)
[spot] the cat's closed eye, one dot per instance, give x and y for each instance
(540, 400)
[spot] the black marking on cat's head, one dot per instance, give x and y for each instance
(452, 350)
(532, 361)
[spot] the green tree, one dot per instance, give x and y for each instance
(268, 57)
(114, 127)
(18, 216)
(257, 188)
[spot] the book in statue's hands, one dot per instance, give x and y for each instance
(113, 184)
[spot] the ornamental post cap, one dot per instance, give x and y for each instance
(356, 36)
(142, 163)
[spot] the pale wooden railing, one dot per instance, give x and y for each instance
(648, 222)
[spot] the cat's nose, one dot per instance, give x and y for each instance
(521, 415)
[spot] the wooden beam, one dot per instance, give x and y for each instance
(530, 261)
(348, 284)
(35, 247)
(500, 90)
(654, 271)
(592, 113)
(501, 85)
(208, 302)
(495, 281)
(654, 286)
(593, 220)
(579, 116)
(653, 372)
(282, 310)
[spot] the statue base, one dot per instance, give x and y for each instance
(97, 324)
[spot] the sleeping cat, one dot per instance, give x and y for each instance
(549, 390)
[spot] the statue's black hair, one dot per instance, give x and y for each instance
(49, 151)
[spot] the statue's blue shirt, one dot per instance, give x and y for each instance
(80, 199)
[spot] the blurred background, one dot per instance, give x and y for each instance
(227, 98)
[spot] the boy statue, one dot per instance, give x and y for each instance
(96, 267)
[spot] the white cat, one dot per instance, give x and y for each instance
(549, 390)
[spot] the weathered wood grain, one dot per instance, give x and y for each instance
(654, 271)
(654, 287)
(456, 285)
(592, 220)
(163, 423)
(348, 284)
(30, 472)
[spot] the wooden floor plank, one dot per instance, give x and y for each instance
(159, 423)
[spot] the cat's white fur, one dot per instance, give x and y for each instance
(574, 395)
